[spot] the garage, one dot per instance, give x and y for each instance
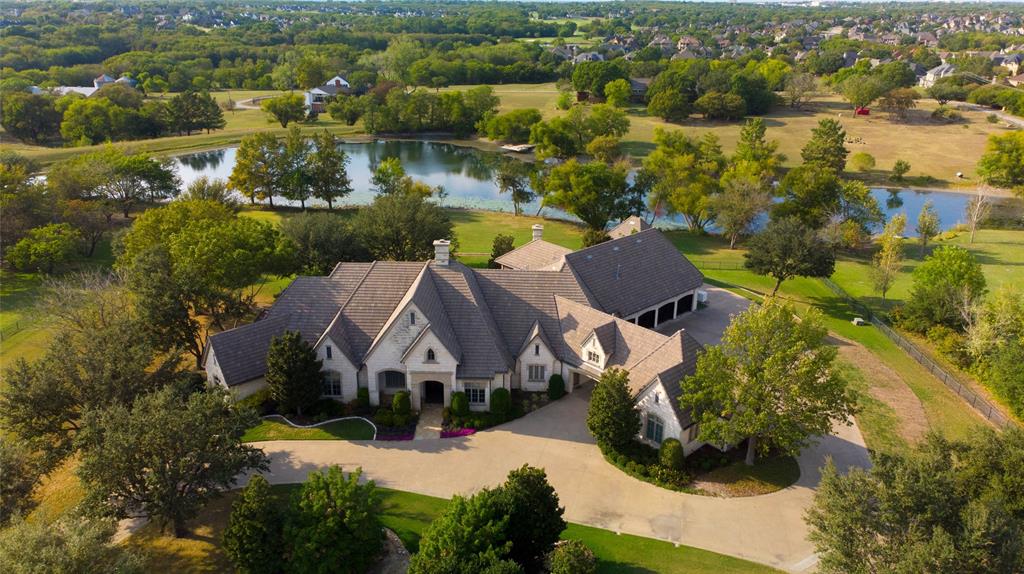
(685, 304)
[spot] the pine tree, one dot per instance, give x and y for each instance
(253, 538)
(293, 372)
(210, 115)
(826, 147)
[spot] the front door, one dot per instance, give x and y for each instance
(433, 392)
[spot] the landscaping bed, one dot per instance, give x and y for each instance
(505, 406)
(707, 471)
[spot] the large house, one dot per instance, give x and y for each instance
(436, 327)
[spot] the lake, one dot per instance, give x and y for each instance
(467, 176)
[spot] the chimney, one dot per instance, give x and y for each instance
(441, 247)
(538, 232)
(337, 83)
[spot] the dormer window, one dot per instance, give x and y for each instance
(593, 357)
(536, 350)
(412, 317)
(431, 357)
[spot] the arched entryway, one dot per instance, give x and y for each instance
(433, 392)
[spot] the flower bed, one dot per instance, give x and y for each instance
(457, 433)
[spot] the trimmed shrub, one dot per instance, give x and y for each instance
(501, 402)
(384, 418)
(400, 403)
(671, 454)
(260, 401)
(460, 404)
(363, 396)
(556, 387)
(400, 420)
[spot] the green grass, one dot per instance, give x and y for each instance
(945, 411)
(409, 514)
(739, 479)
(272, 429)
(878, 421)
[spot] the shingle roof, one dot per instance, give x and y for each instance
(633, 273)
(631, 342)
(675, 359)
(535, 255)
(361, 317)
(483, 353)
(629, 226)
(242, 352)
(518, 299)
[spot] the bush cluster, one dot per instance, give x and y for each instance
(556, 387)
(644, 463)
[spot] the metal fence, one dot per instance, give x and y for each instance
(718, 265)
(980, 404)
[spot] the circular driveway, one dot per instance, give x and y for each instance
(769, 529)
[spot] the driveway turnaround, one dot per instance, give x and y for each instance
(767, 529)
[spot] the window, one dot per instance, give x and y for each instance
(536, 350)
(431, 357)
(412, 318)
(655, 429)
(657, 398)
(593, 357)
(692, 432)
(476, 395)
(332, 383)
(393, 379)
(536, 373)
(327, 350)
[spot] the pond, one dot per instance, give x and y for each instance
(467, 176)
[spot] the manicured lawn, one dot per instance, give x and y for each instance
(273, 429)
(475, 229)
(738, 479)
(945, 411)
(408, 514)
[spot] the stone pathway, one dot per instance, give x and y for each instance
(429, 425)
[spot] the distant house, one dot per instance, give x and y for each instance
(935, 74)
(564, 52)
(102, 80)
(1014, 63)
(587, 57)
(1016, 81)
(629, 226)
(638, 88)
(97, 83)
(317, 98)
(663, 43)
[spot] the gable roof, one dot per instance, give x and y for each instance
(669, 364)
(535, 255)
(518, 299)
(633, 273)
(483, 352)
(578, 321)
(242, 352)
(629, 226)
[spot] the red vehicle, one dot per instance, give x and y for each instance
(862, 112)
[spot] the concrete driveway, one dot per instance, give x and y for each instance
(707, 324)
(767, 529)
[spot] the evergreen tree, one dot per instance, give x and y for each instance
(611, 416)
(293, 372)
(471, 537)
(210, 115)
(786, 249)
(534, 516)
(827, 148)
(294, 159)
(334, 524)
(253, 537)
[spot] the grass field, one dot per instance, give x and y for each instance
(271, 429)
(408, 514)
(933, 149)
(239, 124)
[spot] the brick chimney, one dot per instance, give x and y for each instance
(441, 247)
(538, 232)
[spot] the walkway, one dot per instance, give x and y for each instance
(429, 425)
(767, 529)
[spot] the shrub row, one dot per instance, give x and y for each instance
(644, 463)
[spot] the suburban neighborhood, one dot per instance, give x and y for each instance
(511, 287)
